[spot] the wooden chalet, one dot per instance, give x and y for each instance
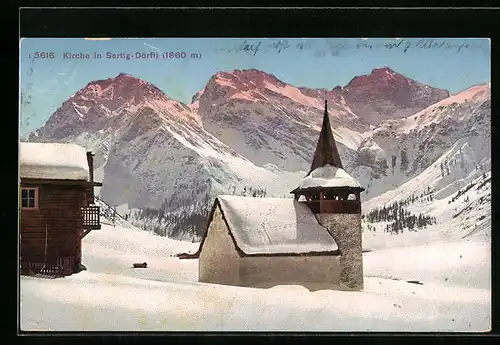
(56, 207)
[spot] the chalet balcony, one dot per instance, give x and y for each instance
(91, 217)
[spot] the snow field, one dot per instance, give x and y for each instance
(112, 296)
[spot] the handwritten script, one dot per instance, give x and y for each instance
(325, 47)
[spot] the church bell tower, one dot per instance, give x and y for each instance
(334, 197)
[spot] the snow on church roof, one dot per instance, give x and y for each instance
(53, 161)
(328, 176)
(274, 226)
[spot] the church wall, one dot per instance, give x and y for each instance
(219, 261)
(346, 230)
(313, 272)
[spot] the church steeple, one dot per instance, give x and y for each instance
(326, 149)
(327, 180)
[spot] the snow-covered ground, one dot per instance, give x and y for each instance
(454, 294)
(457, 217)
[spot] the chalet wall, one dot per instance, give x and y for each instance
(346, 229)
(313, 272)
(219, 261)
(59, 213)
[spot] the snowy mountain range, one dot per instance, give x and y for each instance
(248, 131)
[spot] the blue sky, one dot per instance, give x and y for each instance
(45, 83)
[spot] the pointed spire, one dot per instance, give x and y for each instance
(326, 150)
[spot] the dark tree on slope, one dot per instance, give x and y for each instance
(399, 216)
(461, 192)
(250, 191)
(446, 167)
(179, 216)
(404, 161)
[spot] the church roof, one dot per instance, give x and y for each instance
(273, 226)
(326, 149)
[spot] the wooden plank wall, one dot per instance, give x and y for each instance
(59, 211)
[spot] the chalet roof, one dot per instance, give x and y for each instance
(328, 176)
(326, 149)
(53, 161)
(272, 226)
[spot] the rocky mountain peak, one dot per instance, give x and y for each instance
(379, 77)
(247, 79)
(122, 87)
(383, 70)
(385, 94)
(237, 81)
(108, 104)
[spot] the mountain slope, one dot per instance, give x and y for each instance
(271, 122)
(398, 150)
(248, 132)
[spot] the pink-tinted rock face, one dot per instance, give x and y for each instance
(250, 84)
(368, 99)
(385, 94)
(114, 92)
(381, 95)
(105, 104)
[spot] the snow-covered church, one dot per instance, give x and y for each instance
(313, 239)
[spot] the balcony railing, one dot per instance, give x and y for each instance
(90, 217)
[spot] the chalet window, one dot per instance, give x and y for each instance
(29, 198)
